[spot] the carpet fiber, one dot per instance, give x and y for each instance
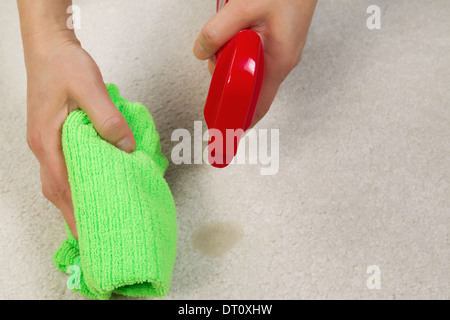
(364, 157)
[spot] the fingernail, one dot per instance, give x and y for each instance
(125, 145)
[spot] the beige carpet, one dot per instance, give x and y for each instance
(364, 157)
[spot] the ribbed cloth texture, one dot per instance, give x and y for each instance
(124, 210)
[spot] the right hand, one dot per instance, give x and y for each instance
(61, 77)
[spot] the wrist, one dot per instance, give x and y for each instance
(43, 25)
(40, 45)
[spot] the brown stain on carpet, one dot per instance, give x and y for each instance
(216, 238)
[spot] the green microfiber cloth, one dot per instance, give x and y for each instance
(124, 210)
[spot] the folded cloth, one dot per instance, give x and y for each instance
(124, 210)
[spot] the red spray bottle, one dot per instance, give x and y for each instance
(233, 93)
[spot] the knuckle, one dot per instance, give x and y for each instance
(34, 141)
(111, 124)
(55, 193)
(296, 61)
(290, 62)
(210, 35)
(48, 192)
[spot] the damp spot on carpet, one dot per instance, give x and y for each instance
(215, 238)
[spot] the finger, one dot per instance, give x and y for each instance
(54, 176)
(94, 99)
(59, 195)
(232, 18)
(211, 66)
(269, 89)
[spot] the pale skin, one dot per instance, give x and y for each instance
(62, 76)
